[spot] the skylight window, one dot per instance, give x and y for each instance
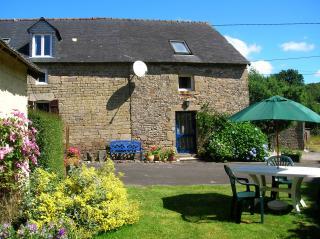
(6, 40)
(180, 47)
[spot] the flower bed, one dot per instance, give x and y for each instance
(42, 204)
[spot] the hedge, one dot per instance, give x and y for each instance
(49, 140)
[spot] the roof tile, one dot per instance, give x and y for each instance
(127, 40)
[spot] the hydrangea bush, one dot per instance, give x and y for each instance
(220, 139)
(18, 148)
(238, 142)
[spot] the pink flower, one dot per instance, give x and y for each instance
(24, 166)
(20, 140)
(33, 159)
(13, 137)
(73, 152)
(4, 151)
(6, 122)
(19, 114)
(33, 130)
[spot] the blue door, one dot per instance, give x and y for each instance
(186, 132)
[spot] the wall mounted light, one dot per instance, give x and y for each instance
(185, 104)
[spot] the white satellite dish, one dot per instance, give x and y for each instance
(140, 68)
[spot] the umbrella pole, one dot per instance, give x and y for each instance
(278, 149)
(277, 139)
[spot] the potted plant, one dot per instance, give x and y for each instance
(155, 150)
(72, 158)
(153, 153)
(171, 154)
(164, 154)
(149, 156)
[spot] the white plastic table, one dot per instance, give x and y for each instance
(259, 172)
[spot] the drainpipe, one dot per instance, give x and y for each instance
(130, 100)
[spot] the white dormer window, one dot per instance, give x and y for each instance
(180, 47)
(42, 45)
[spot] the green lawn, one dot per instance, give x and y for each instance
(203, 212)
(314, 144)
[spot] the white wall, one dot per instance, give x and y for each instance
(10, 102)
(13, 85)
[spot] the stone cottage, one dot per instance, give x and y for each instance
(89, 79)
(14, 69)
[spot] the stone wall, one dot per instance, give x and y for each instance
(95, 102)
(293, 137)
(156, 97)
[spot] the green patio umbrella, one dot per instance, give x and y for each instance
(276, 108)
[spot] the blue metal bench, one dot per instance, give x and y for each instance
(125, 149)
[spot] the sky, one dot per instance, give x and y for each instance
(258, 44)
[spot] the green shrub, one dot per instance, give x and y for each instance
(222, 140)
(49, 139)
(295, 155)
(207, 124)
(95, 200)
(315, 131)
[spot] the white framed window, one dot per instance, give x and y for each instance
(180, 47)
(43, 79)
(42, 45)
(186, 83)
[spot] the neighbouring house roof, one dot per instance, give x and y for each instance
(125, 40)
(32, 69)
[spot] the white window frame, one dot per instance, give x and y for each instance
(45, 78)
(192, 83)
(42, 45)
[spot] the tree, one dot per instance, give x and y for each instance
(313, 96)
(286, 83)
(262, 87)
(290, 76)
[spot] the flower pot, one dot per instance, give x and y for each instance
(171, 158)
(150, 158)
(156, 157)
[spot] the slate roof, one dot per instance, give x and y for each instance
(32, 69)
(126, 40)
